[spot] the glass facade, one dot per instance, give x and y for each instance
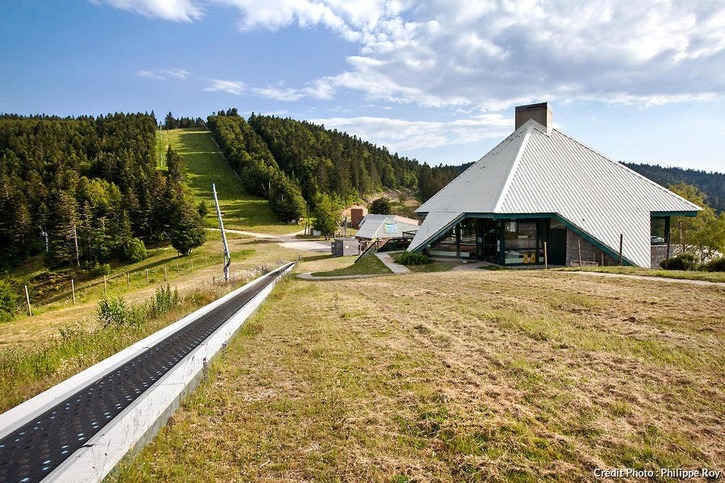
(511, 242)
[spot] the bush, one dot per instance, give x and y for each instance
(98, 269)
(164, 300)
(683, 261)
(115, 313)
(715, 265)
(8, 301)
(410, 258)
(134, 250)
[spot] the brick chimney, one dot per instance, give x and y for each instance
(538, 112)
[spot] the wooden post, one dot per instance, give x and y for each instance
(73, 290)
(166, 274)
(27, 299)
(546, 257)
(128, 280)
(621, 243)
(602, 258)
(579, 244)
(192, 264)
(147, 276)
(105, 287)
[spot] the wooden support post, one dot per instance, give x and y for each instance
(621, 243)
(579, 244)
(27, 299)
(105, 286)
(147, 276)
(73, 290)
(546, 257)
(128, 280)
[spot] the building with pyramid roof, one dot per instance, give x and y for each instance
(541, 189)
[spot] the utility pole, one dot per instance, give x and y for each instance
(227, 257)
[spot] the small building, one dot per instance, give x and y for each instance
(342, 247)
(540, 188)
(374, 227)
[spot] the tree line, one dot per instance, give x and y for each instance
(85, 190)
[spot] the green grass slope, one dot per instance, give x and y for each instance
(204, 166)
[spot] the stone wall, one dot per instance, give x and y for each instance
(659, 253)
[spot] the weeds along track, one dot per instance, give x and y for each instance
(34, 450)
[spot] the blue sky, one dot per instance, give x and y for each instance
(434, 80)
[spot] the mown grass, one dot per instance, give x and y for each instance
(367, 265)
(204, 166)
(461, 376)
(653, 272)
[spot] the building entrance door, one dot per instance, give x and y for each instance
(557, 246)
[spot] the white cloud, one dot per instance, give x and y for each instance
(490, 55)
(228, 86)
(174, 10)
(164, 74)
(402, 135)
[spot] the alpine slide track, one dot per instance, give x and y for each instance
(80, 429)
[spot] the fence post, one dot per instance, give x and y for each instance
(27, 299)
(73, 290)
(621, 242)
(147, 276)
(128, 281)
(166, 275)
(105, 288)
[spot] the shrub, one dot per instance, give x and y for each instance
(8, 301)
(98, 269)
(134, 250)
(164, 300)
(683, 261)
(113, 312)
(410, 258)
(715, 265)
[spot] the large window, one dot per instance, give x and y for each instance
(658, 230)
(521, 242)
(468, 237)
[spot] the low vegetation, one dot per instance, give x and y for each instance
(653, 272)
(411, 258)
(366, 265)
(506, 375)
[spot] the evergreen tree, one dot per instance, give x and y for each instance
(187, 228)
(380, 206)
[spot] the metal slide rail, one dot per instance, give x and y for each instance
(32, 451)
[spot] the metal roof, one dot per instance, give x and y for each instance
(385, 226)
(532, 172)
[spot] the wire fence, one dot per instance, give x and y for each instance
(72, 292)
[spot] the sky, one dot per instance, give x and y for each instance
(434, 80)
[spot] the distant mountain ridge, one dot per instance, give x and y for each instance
(710, 183)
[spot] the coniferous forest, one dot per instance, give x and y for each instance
(89, 183)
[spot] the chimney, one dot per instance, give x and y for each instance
(538, 112)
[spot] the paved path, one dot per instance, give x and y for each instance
(396, 268)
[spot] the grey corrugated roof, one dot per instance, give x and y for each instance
(373, 226)
(534, 172)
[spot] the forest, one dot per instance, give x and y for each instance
(85, 190)
(298, 161)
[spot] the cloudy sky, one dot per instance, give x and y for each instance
(437, 80)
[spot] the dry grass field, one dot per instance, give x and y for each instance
(457, 376)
